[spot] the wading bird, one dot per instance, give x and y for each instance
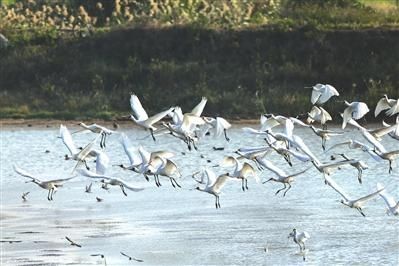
(141, 118)
(321, 93)
(214, 185)
(393, 206)
(300, 239)
(355, 111)
(352, 203)
(385, 103)
(283, 177)
(50, 185)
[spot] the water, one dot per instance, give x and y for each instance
(167, 226)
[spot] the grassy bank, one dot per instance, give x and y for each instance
(243, 71)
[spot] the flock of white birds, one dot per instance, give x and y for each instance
(192, 128)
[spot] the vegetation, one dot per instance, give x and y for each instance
(82, 59)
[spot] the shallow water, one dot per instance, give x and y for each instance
(167, 226)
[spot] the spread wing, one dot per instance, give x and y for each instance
(23, 172)
(336, 187)
(102, 162)
(67, 139)
(155, 118)
(137, 108)
(389, 200)
(269, 165)
(130, 151)
(197, 110)
(381, 105)
(219, 183)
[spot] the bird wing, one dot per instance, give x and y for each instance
(67, 139)
(129, 186)
(177, 115)
(23, 172)
(137, 108)
(381, 105)
(300, 156)
(155, 118)
(190, 122)
(370, 138)
(91, 174)
(325, 116)
(247, 170)
(221, 125)
(269, 124)
(394, 109)
(369, 197)
(299, 122)
(210, 177)
(171, 168)
(229, 161)
(327, 92)
(301, 172)
(269, 165)
(380, 132)
(301, 145)
(60, 180)
(145, 155)
(360, 109)
(102, 162)
(253, 131)
(219, 183)
(125, 254)
(389, 200)
(197, 110)
(163, 154)
(347, 115)
(335, 186)
(131, 152)
(316, 93)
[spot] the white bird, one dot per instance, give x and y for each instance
(241, 171)
(76, 154)
(385, 103)
(299, 238)
(376, 133)
(354, 110)
(141, 118)
(358, 164)
(283, 177)
(325, 135)
(97, 129)
(351, 144)
(318, 114)
(321, 93)
(219, 126)
(50, 185)
(214, 185)
(107, 180)
(352, 203)
(393, 206)
(160, 166)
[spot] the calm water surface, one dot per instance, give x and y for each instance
(167, 226)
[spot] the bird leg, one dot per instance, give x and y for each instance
(218, 202)
(174, 180)
(359, 175)
(48, 195)
(171, 181)
(323, 143)
(242, 184)
(123, 190)
(289, 187)
(152, 134)
(285, 186)
(225, 135)
(87, 167)
(390, 166)
(287, 159)
(246, 184)
(101, 140)
(361, 212)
